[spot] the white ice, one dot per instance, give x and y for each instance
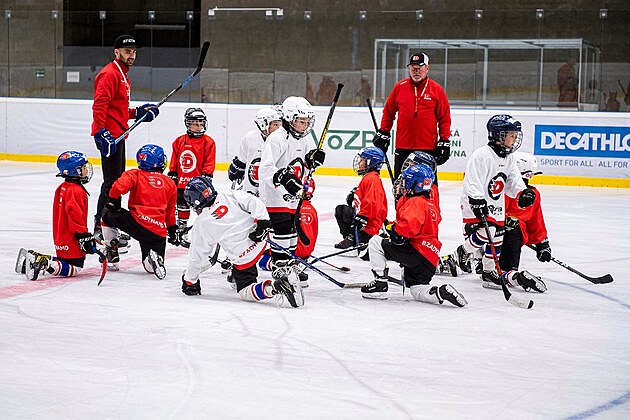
(137, 348)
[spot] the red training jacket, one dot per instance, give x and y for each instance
(531, 220)
(191, 157)
(152, 198)
(417, 218)
(308, 229)
(370, 201)
(70, 210)
(418, 114)
(111, 100)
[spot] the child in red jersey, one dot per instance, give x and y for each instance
(523, 226)
(413, 242)
(70, 233)
(194, 154)
(151, 214)
(366, 209)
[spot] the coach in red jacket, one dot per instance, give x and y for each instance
(111, 114)
(424, 116)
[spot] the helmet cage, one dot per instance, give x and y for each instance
(265, 117)
(418, 157)
(195, 115)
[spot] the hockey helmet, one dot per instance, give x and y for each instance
(418, 179)
(72, 164)
(504, 134)
(200, 193)
(527, 164)
(195, 115)
(265, 116)
(415, 158)
(295, 107)
(373, 159)
(151, 158)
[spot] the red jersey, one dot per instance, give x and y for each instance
(308, 229)
(152, 198)
(421, 109)
(112, 92)
(417, 218)
(192, 156)
(370, 201)
(531, 220)
(69, 217)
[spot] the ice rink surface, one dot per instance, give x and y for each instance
(137, 348)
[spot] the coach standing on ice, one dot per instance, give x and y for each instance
(424, 116)
(110, 116)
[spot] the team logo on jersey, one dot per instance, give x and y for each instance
(156, 182)
(306, 219)
(497, 185)
(434, 215)
(219, 212)
(187, 161)
(298, 167)
(252, 173)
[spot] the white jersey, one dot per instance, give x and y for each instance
(228, 222)
(281, 150)
(249, 153)
(490, 176)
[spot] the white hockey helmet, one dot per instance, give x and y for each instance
(527, 164)
(297, 107)
(266, 116)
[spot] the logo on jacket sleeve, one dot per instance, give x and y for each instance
(156, 182)
(219, 212)
(497, 185)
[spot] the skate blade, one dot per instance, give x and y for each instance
(490, 285)
(20, 263)
(375, 296)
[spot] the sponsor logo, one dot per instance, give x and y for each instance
(575, 140)
(249, 249)
(156, 182)
(62, 247)
(496, 186)
(152, 221)
(431, 246)
(219, 212)
(187, 161)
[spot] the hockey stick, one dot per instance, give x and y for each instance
(596, 280)
(343, 251)
(316, 259)
(317, 270)
(104, 269)
(320, 144)
(389, 168)
(202, 58)
(519, 303)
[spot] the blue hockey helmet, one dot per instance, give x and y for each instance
(373, 158)
(200, 193)
(504, 134)
(151, 158)
(418, 179)
(418, 157)
(73, 164)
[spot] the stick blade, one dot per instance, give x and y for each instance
(520, 303)
(602, 280)
(103, 271)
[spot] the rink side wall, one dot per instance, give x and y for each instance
(572, 148)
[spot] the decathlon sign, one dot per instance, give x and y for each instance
(576, 140)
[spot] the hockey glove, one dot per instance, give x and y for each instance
(479, 207)
(382, 139)
(112, 204)
(175, 235)
(543, 251)
(511, 223)
(359, 222)
(150, 110)
(173, 176)
(442, 151)
(350, 197)
(190, 289)
(236, 171)
(396, 238)
(105, 142)
(262, 230)
(315, 158)
(288, 180)
(86, 242)
(208, 176)
(526, 198)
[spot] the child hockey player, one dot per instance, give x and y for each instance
(245, 166)
(70, 232)
(152, 198)
(284, 162)
(524, 226)
(491, 173)
(366, 206)
(413, 242)
(239, 223)
(194, 154)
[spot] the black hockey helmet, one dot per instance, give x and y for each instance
(504, 134)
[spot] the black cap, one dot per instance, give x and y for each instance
(419, 59)
(125, 41)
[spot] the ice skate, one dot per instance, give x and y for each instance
(448, 293)
(20, 262)
(530, 282)
(123, 243)
(448, 264)
(490, 280)
(36, 265)
(111, 253)
(303, 279)
(377, 288)
(289, 287)
(156, 263)
(345, 243)
(191, 289)
(463, 259)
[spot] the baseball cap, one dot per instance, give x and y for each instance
(125, 41)
(419, 59)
